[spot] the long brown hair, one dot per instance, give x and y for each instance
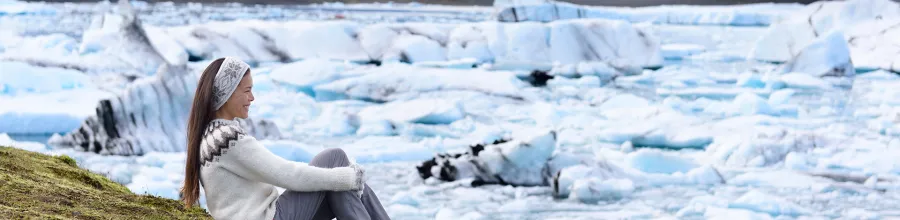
(202, 113)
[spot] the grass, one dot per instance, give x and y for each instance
(38, 186)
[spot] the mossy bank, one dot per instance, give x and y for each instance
(38, 186)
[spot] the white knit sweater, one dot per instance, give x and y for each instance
(239, 175)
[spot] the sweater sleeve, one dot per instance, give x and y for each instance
(249, 159)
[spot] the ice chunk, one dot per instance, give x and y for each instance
(388, 83)
(465, 63)
(750, 80)
(678, 51)
(780, 97)
(426, 111)
(592, 189)
(520, 161)
(743, 214)
(608, 39)
(414, 49)
(829, 55)
(302, 76)
(760, 148)
(22, 78)
(778, 179)
(564, 182)
(796, 161)
(376, 127)
(657, 161)
(525, 42)
(699, 204)
(804, 81)
(624, 101)
(56, 112)
(744, 104)
(868, 23)
(761, 202)
(858, 213)
(166, 46)
(319, 39)
(468, 41)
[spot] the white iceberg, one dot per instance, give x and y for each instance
(867, 26)
(828, 55)
(392, 82)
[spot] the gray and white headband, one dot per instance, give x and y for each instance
(227, 79)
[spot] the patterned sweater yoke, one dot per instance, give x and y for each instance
(220, 135)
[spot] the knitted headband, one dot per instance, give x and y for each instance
(227, 79)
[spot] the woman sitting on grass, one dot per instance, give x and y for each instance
(239, 175)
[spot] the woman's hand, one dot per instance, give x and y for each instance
(360, 179)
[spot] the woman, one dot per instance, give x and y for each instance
(239, 175)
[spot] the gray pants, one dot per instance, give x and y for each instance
(343, 205)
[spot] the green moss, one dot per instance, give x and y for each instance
(37, 186)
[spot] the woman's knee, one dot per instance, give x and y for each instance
(331, 156)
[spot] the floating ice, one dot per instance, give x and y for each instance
(868, 23)
(302, 76)
(828, 55)
(56, 112)
(594, 189)
(804, 81)
(777, 179)
(759, 201)
(721, 213)
(22, 78)
(656, 161)
(678, 51)
(389, 83)
(426, 111)
(740, 15)
(572, 38)
(762, 147)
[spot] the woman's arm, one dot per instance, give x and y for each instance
(249, 159)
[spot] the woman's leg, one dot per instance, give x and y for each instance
(376, 210)
(322, 205)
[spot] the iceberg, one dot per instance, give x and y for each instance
(520, 161)
(151, 114)
(388, 83)
(601, 40)
(737, 15)
(768, 146)
(573, 41)
(866, 25)
(827, 56)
